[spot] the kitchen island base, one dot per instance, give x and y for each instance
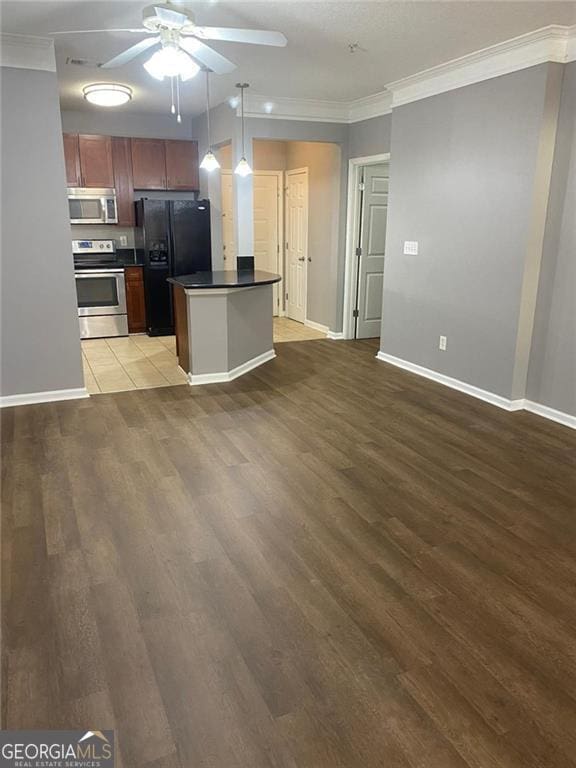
(223, 332)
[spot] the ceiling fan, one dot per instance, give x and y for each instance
(174, 32)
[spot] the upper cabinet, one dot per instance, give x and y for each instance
(165, 164)
(182, 164)
(88, 161)
(72, 160)
(96, 161)
(149, 164)
(123, 183)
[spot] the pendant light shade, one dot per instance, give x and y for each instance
(209, 162)
(243, 167)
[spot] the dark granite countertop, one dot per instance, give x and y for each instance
(244, 278)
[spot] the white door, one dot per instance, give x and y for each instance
(371, 256)
(296, 243)
(267, 187)
(228, 241)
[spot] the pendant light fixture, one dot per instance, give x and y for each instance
(209, 163)
(243, 167)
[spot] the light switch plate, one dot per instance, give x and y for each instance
(442, 343)
(123, 241)
(410, 247)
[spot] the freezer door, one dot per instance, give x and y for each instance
(191, 244)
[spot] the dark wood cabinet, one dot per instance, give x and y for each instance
(149, 164)
(181, 327)
(135, 299)
(72, 160)
(123, 182)
(96, 161)
(182, 165)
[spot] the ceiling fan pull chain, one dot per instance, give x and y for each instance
(178, 116)
(172, 108)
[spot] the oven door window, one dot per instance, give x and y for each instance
(85, 209)
(97, 291)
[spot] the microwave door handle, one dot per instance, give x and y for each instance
(104, 204)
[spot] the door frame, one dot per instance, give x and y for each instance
(352, 231)
(280, 203)
(292, 172)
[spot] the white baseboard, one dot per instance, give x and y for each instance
(550, 413)
(31, 398)
(448, 381)
(481, 394)
(335, 335)
(195, 379)
(317, 326)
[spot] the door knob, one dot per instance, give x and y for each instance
(301, 258)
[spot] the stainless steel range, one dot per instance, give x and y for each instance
(100, 288)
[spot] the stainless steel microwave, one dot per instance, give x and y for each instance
(92, 206)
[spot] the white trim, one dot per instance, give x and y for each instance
(31, 398)
(352, 225)
(448, 381)
(553, 43)
(316, 326)
(27, 52)
(545, 411)
(335, 335)
(550, 413)
(367, 107)
(195, 379)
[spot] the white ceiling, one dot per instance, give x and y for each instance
(399, 38)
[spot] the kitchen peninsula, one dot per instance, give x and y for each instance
(223, 323)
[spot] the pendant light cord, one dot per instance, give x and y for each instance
(242, 109)
(208, 108)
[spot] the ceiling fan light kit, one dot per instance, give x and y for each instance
(171, 61)
(243, 167)
(107, 94)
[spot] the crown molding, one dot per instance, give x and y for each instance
(554, 43)
(549, 44)
(27, 52)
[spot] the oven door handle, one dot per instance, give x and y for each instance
(98, 272)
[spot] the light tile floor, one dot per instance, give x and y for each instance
(289, 330)
(141, 362)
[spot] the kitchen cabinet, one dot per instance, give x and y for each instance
(135, 299)
(149, 163)
(96, 166)
(88, 161)
(181, 165)
(72, 160)
(123, 182)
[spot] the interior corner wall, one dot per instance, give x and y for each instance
(552, 367)
(40, 335)
(324, 170)
(462, 174)
(370, 137)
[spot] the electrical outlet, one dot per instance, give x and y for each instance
(442, 343)
(410, 247)
(123, 241)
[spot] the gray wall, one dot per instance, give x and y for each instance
(462, 173)
(370, 137)
(552, 369)
(119, 123)
(40, 333)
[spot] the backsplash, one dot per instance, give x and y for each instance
(104, 232)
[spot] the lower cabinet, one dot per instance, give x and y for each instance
(135, 299)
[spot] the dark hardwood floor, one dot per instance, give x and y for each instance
(326, 563)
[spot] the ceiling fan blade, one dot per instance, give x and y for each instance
(171, 18)
(254, 36)
(142, 31)
(211, 59)
(131, 53)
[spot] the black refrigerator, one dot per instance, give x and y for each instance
(172, 238)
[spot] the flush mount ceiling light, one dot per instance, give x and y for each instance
(243, 167)
(209, 163)
(107, 94)
(171, 61)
